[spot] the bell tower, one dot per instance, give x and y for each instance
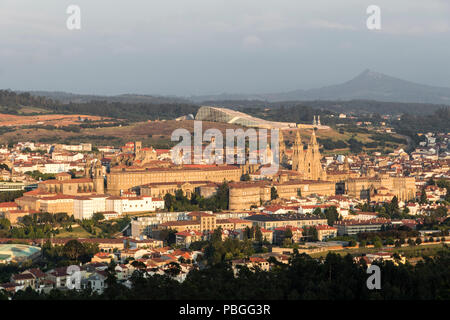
(99, 184)
(298, 156)
(313, 166)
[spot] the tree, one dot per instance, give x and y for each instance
(258, 234)
(245, 177)
(222, 196)
(394, 208)
(317, 212)
(5, 224)
(288, 233)
(173, 269)
(169, 201)
(168, 235)
(332, 215)
(138, 264)
(377, 242)
(73, 249)
(423, 197)
(98, 216)
(273, 193)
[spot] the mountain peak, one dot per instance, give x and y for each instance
(371, 74)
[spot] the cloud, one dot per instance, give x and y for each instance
(252, 41)
(325, 24)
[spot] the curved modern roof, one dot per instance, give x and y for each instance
(207, 113)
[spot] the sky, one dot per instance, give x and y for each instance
(197, 47)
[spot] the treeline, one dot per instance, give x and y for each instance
(411, 124)
(129, 111)
(11, 102)
(298, 113)
(179, 202)
(333, 278)
(10, 196)
(357, 107)
(35, 226)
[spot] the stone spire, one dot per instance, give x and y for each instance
(346, 164)
(298, 157)
(298, 138)
(282, 146)
(313, 141)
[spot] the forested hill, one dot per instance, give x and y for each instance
(66, 97)
(356, 107)
(12, 103)
(410, 124)
(129, 111)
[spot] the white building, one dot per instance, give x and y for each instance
(133, 204)
(85, 207)
(66, 156)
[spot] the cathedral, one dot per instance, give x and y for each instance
(307, 161)
(133, 154)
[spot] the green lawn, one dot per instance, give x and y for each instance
(78, 232)
(414, 251)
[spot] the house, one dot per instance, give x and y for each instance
(413, 208)
(123, 272)
(103, 257)
(325, 232)
(277, 209)
(144, 243)
(41, 281)
(58, 276)
(132, 253)
(267, 235)
(96, 281)
(11, 287)
(280, 234)
(385, 256)
(258, 262)
(185, 238)
(24, 279)
(252, 263)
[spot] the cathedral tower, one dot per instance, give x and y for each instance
(99, 184)
(298, 157)
(313, 167)
(308, 162)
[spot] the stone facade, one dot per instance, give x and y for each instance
(402, 187)
(244, 195)
(118, 181)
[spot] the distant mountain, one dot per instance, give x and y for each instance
(368, 85)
